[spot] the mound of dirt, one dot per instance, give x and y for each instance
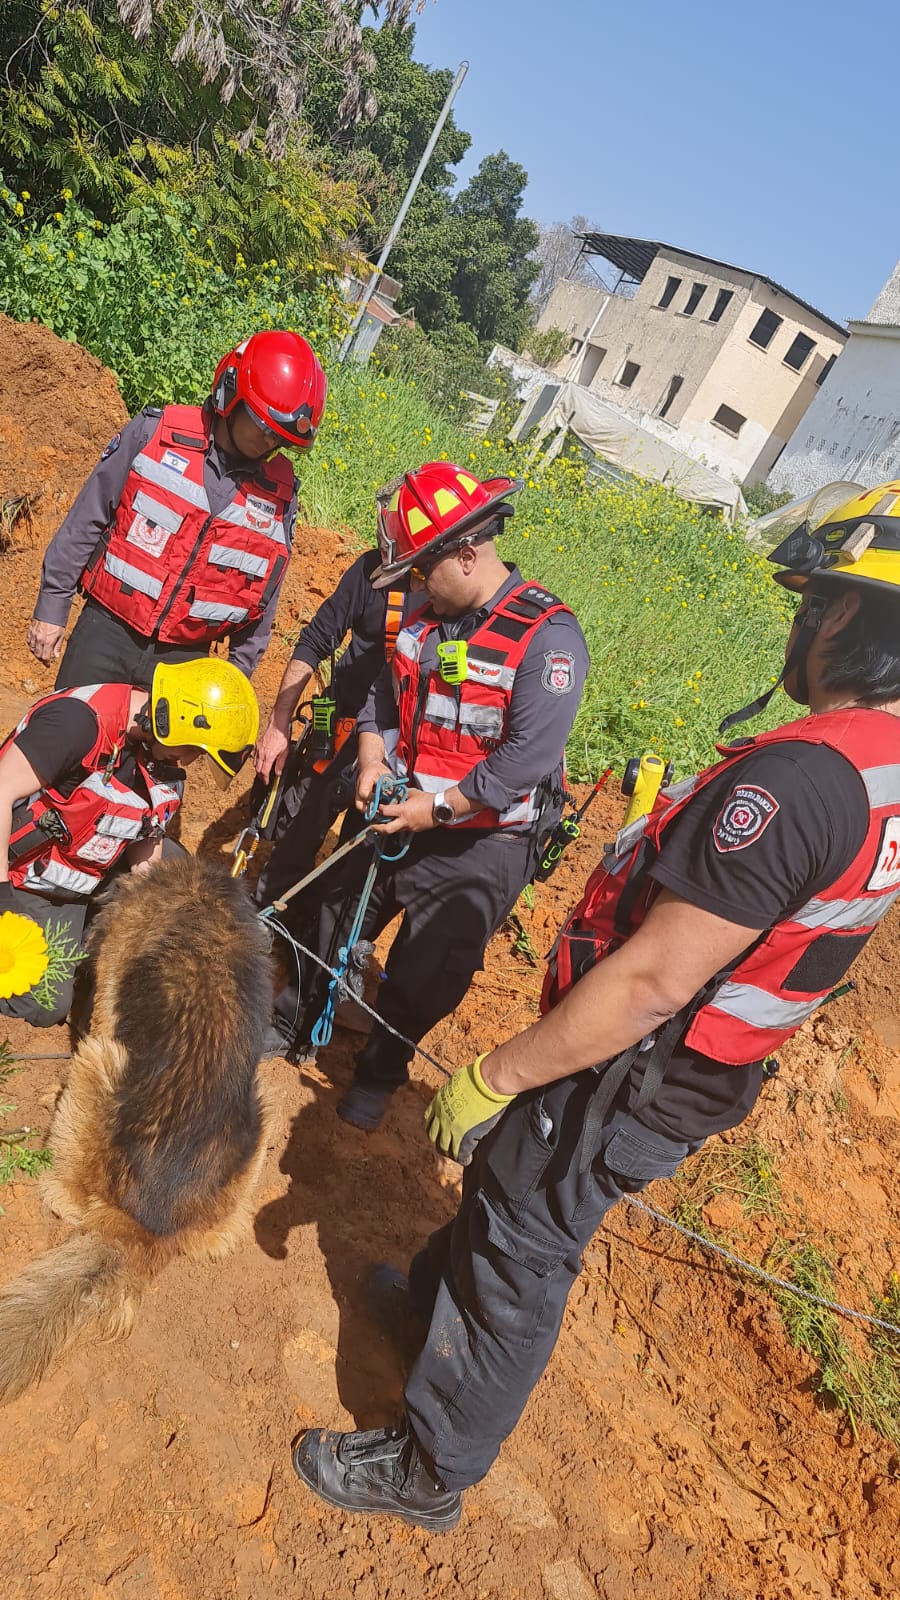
(675, 1447)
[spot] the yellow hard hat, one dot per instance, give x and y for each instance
(850, 535)
(207, 704)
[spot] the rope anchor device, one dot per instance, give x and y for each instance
(388, 791)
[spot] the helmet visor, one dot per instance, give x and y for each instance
(225, 765)
(765, 534)
(295, 426)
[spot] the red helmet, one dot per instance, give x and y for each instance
(278, 378)
(434, 510)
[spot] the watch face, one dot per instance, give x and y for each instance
(443, 812)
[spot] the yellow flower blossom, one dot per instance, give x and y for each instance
(23, 954)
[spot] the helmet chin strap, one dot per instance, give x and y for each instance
(810, 619)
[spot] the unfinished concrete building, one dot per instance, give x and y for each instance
(852, 429)
(719, 361)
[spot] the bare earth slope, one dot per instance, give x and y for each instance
(674, 1448)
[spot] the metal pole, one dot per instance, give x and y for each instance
(398, 220)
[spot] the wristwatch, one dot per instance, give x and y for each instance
(441, 809)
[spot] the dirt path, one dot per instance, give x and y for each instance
(674, 1447)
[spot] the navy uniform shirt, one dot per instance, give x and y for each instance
(803, 820)
(358, 609)
(72, 546)
(540, 714)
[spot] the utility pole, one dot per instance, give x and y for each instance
(371, 286)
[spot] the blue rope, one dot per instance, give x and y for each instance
(390, 791)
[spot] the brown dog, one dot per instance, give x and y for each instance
(159, 1134)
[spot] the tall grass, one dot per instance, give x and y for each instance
(682, 620)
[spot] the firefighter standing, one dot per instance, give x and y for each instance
(716, 928)
(183, 532)
(322, 789)
(90, 780)
(475, 711)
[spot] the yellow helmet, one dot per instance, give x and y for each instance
(848, 533)
(207, 704)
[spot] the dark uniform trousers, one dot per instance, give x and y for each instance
(310, 802)
(494, 1281)
(103, 649)
(71, 919)
(455, 887)
(66, 917)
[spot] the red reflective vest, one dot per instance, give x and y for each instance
(64, 845)
(787, 974)
(167, 567)
(446, 729)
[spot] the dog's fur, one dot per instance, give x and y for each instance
(160, 1132)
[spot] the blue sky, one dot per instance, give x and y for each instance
(766, 135)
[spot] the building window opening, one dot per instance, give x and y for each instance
(590, 365)
(722, 302)
(729, 421)
(698, 290)
(627, 375)
(800, 352)
(765, 329)
(665, 405)
(669, 292)
(825, 370)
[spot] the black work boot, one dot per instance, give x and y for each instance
(364, 1105)
(381, 1472)
(393, 1311)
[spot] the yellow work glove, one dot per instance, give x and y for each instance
(463, 1112)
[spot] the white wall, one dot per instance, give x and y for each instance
(852, 429)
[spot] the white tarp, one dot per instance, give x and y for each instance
(615, 438)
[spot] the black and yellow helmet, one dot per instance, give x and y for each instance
(847, 533)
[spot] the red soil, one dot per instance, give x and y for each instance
(674, 1448)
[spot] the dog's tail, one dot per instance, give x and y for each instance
(88, 1283)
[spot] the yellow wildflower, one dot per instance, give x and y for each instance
(23, 954)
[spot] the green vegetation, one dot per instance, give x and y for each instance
(865, 1387)
(63, 955)
(746, 1171)
(682, 620)
(857, 1366)
(17, 1153)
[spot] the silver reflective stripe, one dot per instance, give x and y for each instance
(161, 516)
(162, 794)
(882, 785)
(392, 754)
(481, 671)
(486, 720)
(211, 611)
(408, 645)
(168, 478)
(112, 827)
(222, 555)
(84, 693)
(863, 913)
(241, 517)
(121, 796)
(523, 811)
(432, 785)
(680, 791)
(133, 577)
(748, 1004)
(442, 709)
(56, 875)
